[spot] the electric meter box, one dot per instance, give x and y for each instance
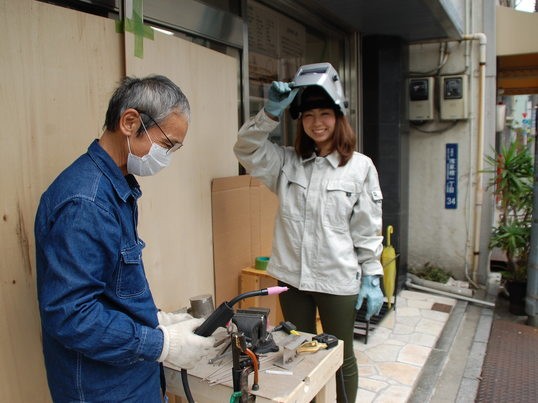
(454, 97)
(420, 93)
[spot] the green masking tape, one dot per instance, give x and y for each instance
(137, 27)
(261, 262)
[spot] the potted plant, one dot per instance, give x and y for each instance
(512, 181)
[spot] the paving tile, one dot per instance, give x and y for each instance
(408, 311)
(426, 340)
(404, 338)
(365, 396)
(434, 315)
(420, 303)
(384, 353)
(404, 374)
(368, 371)
(398, 347)
(362, 359)
(389, 319)
(394, 394)
(400, 328)
(428, 326)
(371, 384)
(414, 355)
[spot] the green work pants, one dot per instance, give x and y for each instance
(337, 315)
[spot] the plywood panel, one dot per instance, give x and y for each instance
(58, 69)
(175, 210)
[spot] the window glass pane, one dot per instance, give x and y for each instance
(278, 46)
(232, 6)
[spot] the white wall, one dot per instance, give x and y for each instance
(438, 235)
(444, 237)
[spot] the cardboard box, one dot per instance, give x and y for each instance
(243, 211)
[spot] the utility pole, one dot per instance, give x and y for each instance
(531, 301)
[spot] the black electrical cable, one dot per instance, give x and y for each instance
(434, 131)
(186, 387)
(247, 295)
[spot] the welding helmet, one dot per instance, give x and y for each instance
(319, 87)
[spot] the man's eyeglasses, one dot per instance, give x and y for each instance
(173, 146)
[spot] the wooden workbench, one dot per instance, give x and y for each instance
(313, 375)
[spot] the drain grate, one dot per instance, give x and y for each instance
(441, 307)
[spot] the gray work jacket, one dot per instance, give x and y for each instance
(328, 224)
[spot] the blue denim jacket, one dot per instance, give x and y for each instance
(98, 316)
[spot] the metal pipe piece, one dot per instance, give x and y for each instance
(410, 284)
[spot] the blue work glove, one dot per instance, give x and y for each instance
(280, 97)
(370, 290)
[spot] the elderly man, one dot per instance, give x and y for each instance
(103, 339)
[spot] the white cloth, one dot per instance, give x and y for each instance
(329, 221)
(168, 318)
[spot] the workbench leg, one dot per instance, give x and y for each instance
(327, 393)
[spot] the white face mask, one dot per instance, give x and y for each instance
(156, 159)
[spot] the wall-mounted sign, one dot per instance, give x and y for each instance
(451, 176)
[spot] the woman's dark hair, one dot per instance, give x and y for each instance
(343, 140)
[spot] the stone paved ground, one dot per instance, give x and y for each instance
(398, 348)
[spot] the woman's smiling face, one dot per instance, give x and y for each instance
(319, 124)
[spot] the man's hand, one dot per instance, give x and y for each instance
(370, 290)
(168, 318)
(280, 97)
(181, 347)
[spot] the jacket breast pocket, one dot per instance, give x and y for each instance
(131, 280)
(340, 197)
(292, 196)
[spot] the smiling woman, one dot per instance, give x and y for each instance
(327, 242)
(319, 126)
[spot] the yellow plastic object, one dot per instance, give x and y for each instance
(388, 261)
(311, 347)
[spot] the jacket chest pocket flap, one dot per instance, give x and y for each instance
(341, 196)
(131, 280)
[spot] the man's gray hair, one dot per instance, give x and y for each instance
(154, 97)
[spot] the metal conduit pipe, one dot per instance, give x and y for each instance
(466, 292)
(479, 191)
(410, 284)
(531, 300)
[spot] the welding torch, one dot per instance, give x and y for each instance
(220, 317)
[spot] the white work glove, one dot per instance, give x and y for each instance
(168, 318)
(181, 347)
(371, 291)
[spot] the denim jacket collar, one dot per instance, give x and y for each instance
(124, 186)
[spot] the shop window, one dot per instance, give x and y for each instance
(278, 46)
